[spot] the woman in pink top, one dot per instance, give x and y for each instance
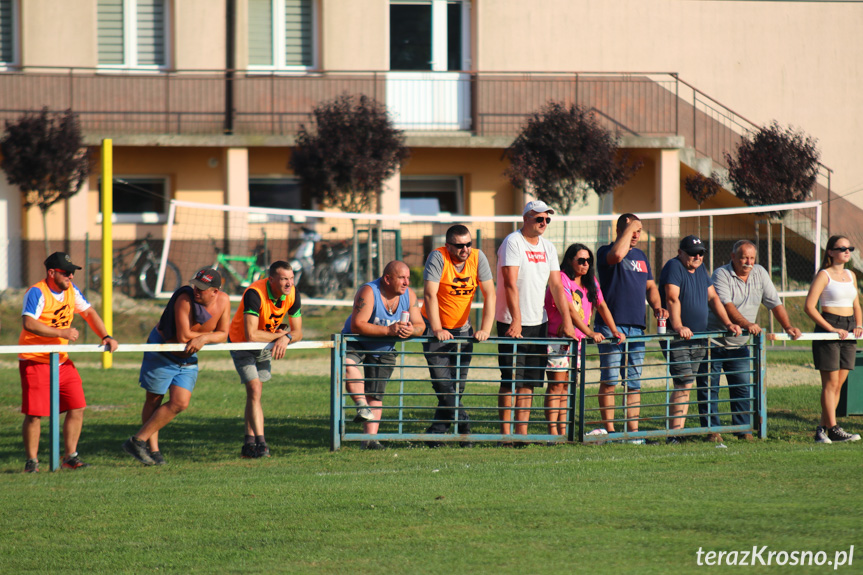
(583, 293)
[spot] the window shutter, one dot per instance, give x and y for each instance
(298, 32)
(151, 32)
(6, 28)
(261, 32)
(110, 22)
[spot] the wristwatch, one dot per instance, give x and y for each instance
(107, 337)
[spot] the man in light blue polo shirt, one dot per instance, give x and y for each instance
(742, 286)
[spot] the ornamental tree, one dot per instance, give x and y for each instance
(774, 166)
(563, 153)
(351, 150)
(44, 156)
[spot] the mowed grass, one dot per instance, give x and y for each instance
(567, 508)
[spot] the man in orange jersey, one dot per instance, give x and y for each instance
(261, 318)
(452, 274)
(197, 314)
(49, 307)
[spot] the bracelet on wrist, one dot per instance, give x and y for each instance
(107, 337)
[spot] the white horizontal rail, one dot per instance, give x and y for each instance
(808, 337)
(124, 347)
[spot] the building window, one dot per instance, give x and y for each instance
(281, 34)
(279, 193)
(8, 33)
(139, 200)
(428, 35)
(431, 195)
(133, 33)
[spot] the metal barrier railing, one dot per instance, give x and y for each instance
(410, 401)
(54, 352)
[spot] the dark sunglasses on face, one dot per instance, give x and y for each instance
(695, 254)
(583, 261)
(540, 219)
(65, 274)
(461, 246)
(844, 249)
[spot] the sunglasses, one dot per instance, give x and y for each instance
(540, 219)
(65, 274)
(695, 255)
(584, 261)
(844, 249)
(461, 246)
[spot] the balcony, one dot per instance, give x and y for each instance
(243, 105)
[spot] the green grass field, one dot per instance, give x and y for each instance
(567, 508)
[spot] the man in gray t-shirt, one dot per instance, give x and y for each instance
(742, 286)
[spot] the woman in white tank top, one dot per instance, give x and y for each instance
(835, 289)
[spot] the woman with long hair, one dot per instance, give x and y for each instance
(583, 294)
(835, 290)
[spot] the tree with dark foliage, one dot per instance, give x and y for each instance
(44, 155)
(564, 152)
(701, 188)
(355, 147)
(774, 166)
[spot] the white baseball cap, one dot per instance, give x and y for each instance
(537, 206)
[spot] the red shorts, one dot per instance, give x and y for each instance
(36, 388)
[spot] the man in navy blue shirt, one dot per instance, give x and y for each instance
(625, 279)
(686, 290)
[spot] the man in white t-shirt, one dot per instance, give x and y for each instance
(526, 263)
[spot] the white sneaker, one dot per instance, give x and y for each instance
(597, 432)
(363, 414)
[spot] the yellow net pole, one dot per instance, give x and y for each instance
(107, 247)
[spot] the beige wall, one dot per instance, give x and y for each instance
(355, 34)
(199, 34)
(58, 33)
(796, 62)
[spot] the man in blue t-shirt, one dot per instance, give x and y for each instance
(625, 279)
(686, 290)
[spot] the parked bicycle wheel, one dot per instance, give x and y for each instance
(150, 274)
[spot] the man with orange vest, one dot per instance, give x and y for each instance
(452, 274)
(261, 318)
(49, 307)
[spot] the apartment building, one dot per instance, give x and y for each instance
(202, 98)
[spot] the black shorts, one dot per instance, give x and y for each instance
(833, 355)
(377, 368)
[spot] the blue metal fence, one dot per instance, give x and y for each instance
(409, 402)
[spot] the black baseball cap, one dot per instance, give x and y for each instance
(692, 245)
(206, 278)
(60, 261)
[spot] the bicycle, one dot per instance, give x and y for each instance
(234, 282)
(138, 277)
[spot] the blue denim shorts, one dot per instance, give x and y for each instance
(159, 373)
(612, 357)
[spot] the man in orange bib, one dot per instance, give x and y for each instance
(266, 305)
(452, 273)
(49, 307)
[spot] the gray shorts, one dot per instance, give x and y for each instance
(377, 369)
(685, 358)
(252, 364)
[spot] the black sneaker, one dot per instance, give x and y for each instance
(32, 466)
(261, 450)
(137, 448)
(74, 462)
(248, 451)
(672, 441)
(821, 435)
(836, 433)
(373, 444)
(156, 456)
